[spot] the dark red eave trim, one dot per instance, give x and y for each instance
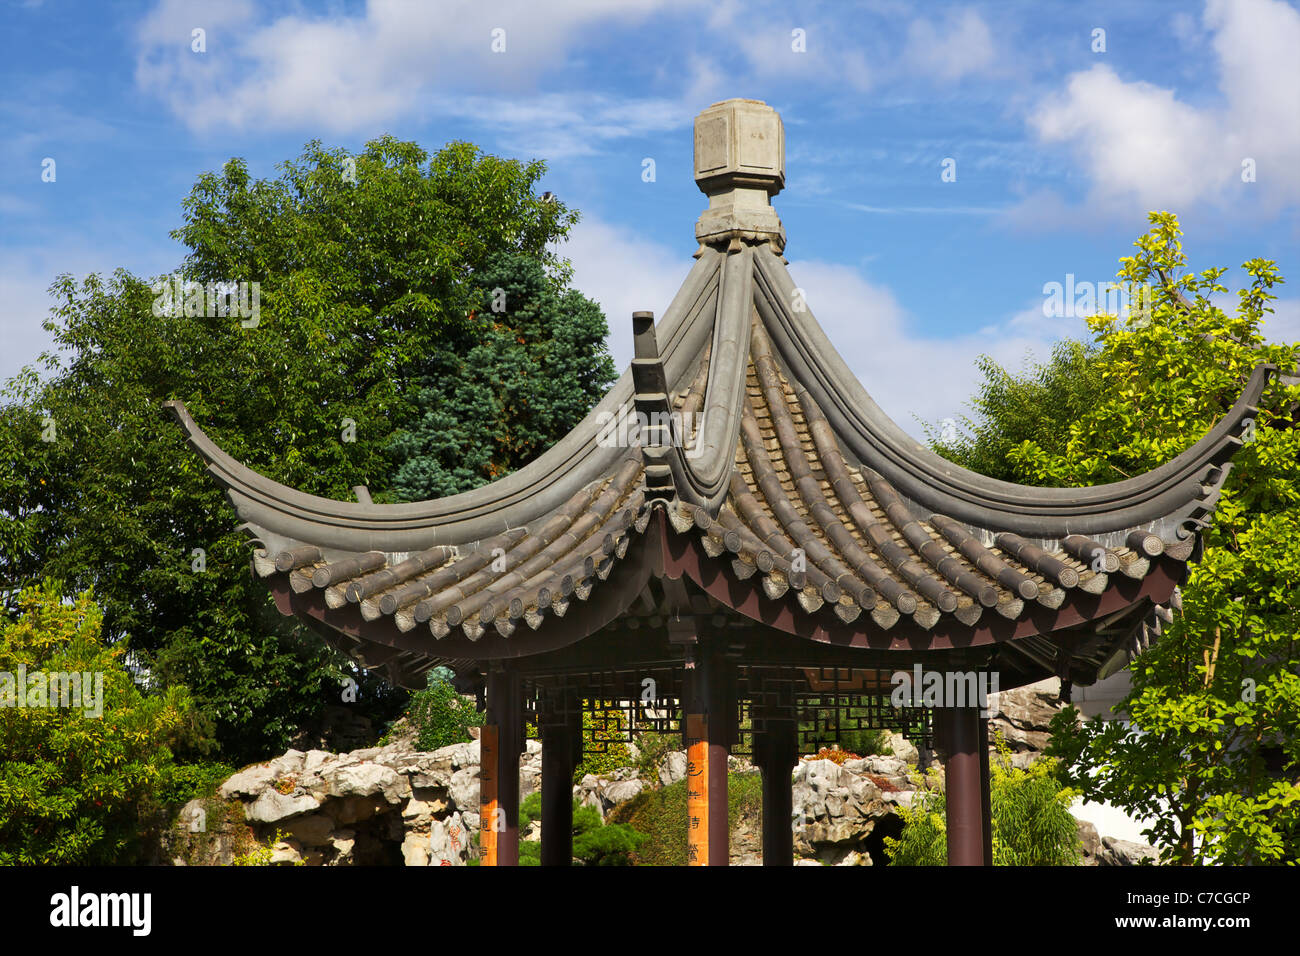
(684, 556)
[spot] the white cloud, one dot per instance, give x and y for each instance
(957, 46)
(27, 304)
(346, 73)
(908, 374)
(1283, 325)
(624, 273)
(772, 50)
(1144, 148)
(565, 125)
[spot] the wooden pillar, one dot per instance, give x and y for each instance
(561, 751)
(986, 803)
(962, 787)
(501, 741)
(709, 714)
(776, 752)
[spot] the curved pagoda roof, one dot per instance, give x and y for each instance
(781, 489)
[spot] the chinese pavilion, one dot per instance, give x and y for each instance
(749, 566)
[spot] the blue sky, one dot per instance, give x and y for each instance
(1060, 149)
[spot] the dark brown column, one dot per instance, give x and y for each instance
(561, 751)
(962, 787)
(986, 804)
(500, 817)
(776, 752)
(709, 713)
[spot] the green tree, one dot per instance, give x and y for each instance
(440, 716)
(524, 368)
(75, 786)
(1038, 405)
(1209, 749)
(370, 270)
(1031, 820)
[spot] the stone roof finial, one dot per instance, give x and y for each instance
(739, 165)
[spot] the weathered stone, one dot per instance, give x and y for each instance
(311, 830)
(461, 755)
(1125, 853)
(369, 779)
(273, 806)
(621, 791)
(1023, 715)
(463, 789)
(854, 858)
(1090, 843)
(355, 809)
(249, 782)
(904, 749)
(342, 843)
(286, 851)
(316, 759)
(448, 841)
(673, 767)
(415, 851)
(416, 812)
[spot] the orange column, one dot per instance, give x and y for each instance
(697, 790)
(487, 793)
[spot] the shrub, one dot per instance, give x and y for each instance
(651, 750)
(261, 853)
(1032, 823)
(75, 788)
(440, 716)
(595, 843)
(867, 742)
(661, 816)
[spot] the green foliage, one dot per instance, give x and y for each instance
(179, 783)
(609, 728)
(605, 845)
(661, 816)
(595, 843)
(369, 283)
(441, 716)
(508, 382)
(260, 854)
(652, 748)
(1210, 750)
(73, 788)
(1039, 405)
(923, 841)
(1031, 820)
(867, 742)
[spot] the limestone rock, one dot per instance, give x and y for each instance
(904, 749)
(273, 806)
(463, 789)
(673, 767)
(1023, 715)
(415, 851)
(369, 779)
(1116, 852)
(1090, 842)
